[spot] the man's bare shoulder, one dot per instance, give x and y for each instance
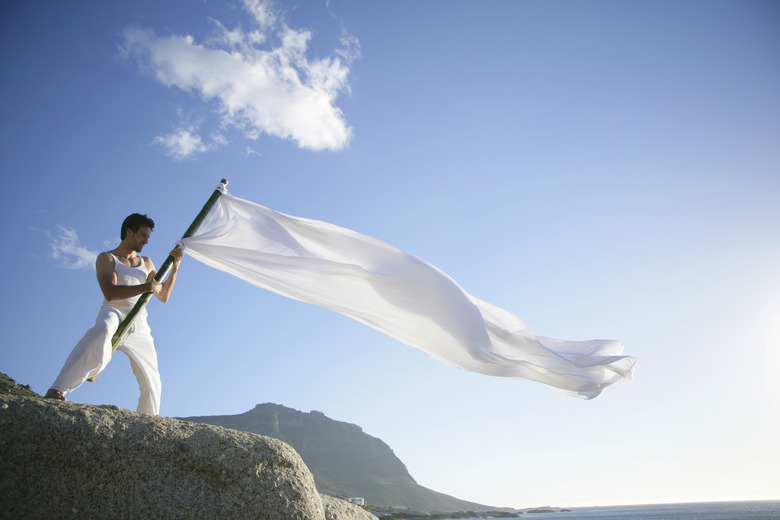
(105, 257)
(104, 264)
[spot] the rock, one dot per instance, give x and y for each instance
(66, 460)
(337, 509)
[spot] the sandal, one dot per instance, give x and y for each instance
(55, 394)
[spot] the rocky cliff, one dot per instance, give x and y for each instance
(343, 459)
(66, 460)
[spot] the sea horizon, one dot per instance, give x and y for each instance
(712, 510)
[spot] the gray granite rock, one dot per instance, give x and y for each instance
(336, 509)
(66, 460)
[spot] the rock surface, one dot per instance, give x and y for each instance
(66, 460)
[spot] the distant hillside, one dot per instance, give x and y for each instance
(343, 459)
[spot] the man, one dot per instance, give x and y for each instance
(123, 276)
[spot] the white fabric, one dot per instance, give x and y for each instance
(396, 293)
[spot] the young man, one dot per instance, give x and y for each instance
(123, 275)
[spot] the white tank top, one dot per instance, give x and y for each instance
(126, 275)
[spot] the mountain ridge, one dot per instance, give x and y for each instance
(344, 460)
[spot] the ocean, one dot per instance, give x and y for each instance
(763, 510)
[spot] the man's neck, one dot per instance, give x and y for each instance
(125, 251)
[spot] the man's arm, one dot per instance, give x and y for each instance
(167, 286)
(104, 266)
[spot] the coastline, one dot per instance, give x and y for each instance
(717, 510)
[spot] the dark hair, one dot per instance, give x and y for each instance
(135, 222)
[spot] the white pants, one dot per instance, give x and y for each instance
(91, 355)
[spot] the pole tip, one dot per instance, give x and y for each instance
(224, 181)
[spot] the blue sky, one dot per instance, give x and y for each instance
(602, 169)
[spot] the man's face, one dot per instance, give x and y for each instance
(138, 239)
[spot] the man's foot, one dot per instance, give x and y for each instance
(55, 394)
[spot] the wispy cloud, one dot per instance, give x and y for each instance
(252, 151)
(67, 252)
(259, 80)
(183, 143)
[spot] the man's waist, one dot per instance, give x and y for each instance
(124, 306)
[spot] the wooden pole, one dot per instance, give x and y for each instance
(164, 268)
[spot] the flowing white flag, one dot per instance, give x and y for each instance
(397, 294)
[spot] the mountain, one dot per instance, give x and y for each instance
(344, 460)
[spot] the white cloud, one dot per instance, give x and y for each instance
(182, 143)
(67, 252)
(259, 81)
(251, 151)
(262, 13)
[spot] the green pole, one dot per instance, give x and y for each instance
(164, 268)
